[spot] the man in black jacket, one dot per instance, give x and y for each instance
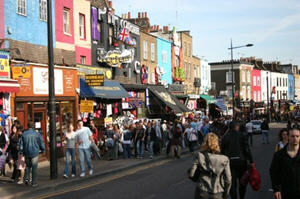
(235, 146)
(285, 169)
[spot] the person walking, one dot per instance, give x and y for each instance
(84, 138)
(235, 146)
(21, 166)
(283, 139)
(215, 178)
(285, 169)
(164, 133)
(265, 132)
(94, 144)
(191, 134)
(126, 142)
(140, 140)
(13, 151)
(116, 137)
(69, 138)
(176, 140)
(249, 130)
(31, 144)
(153, 138)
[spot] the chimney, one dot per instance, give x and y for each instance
(157, 27)
(146, 14)
(129, 15)
(143, 15)
(139, 15)
(167, 29)
(110, 4)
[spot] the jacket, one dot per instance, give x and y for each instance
(265, 126)
(235, 145)
(285, 173)
(214, 177)
(31, 143)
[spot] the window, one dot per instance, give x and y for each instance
(229, 77)
(280, 82)
(152, 52)
(145, 50)
(189, 71)
(258, 81)
(195, 71)
(254, 80)
(258, 96)
(243, 76)
(248, 77)
(43, 10)
(21, 7)
(254, 96)
(185, 49)
(185, 70)
(82, 59)
(249, 92)
(164, 57)
(81, 26)
(110, 35)
(244, 93)
(67, 29)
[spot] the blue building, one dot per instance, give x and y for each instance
(27, 21)
(164, 60)
(291, 87)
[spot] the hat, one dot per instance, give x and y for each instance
(165, 121)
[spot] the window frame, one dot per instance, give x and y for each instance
(152, 52)
(43, 7)
(145, 50)
(68, 11)
(82, 57)
(229, 80)
(19, 2)
(82, 27)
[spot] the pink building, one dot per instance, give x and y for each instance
(2, 19)
(256, 85)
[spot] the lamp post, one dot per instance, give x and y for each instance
(232, 81)
(51, 102)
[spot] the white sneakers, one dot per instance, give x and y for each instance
(91, 172)
(82, 175)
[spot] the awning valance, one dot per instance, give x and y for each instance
(170, 100)
(110, 90)
(9, 85)
(208, 99)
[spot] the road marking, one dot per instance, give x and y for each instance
(106, 179)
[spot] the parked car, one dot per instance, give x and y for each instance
(256, 126)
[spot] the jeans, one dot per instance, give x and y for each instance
(250, 138)
(151, 148)
(192, 145)
(237, 168)
(116, 150)
(70, 152)
(85, 155)
(140, 148)
(31, 166)
(265, 136)
(126, 151)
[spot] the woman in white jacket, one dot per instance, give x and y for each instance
(215, 178)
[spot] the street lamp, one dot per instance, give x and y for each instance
(232, 84)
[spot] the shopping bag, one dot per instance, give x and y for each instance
(255, 179)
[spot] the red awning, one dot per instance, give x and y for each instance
(9, 86)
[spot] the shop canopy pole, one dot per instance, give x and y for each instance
(51, 103)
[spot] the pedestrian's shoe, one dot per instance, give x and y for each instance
(20, 182)
(27, 182)
(65, 176)
(35, 185)
(151, 157)
(82, 175)
(91, 172)
(73, 175)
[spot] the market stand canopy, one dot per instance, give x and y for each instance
(110, 90)
(208, 99)
(167, 98)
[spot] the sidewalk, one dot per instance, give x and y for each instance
(101, 168)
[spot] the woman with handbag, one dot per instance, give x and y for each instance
(211, 171)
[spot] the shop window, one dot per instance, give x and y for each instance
(81, 26)
(21, 7)
(20, 106)
(43, 10)
(67, 29)
(29, 112)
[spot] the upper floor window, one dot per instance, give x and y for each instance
(82, 59)
(258, 81)
(243, 76)
(254, 80)
(164, 55)
(67, 29)
(145, 50)
(21, 7)
(248, 76)
(152, 52)
(81, 26)
(43, 10)
(229, 77)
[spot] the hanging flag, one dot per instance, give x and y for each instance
(125, 37)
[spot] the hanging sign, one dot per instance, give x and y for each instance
(21, 71)
(4, 66)
(86, 106)
(94, 80)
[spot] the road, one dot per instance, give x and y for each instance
(166, 179)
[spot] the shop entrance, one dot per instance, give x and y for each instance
(39, 119)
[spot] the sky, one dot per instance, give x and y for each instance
(273, 26)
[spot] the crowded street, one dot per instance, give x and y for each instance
(167, 179)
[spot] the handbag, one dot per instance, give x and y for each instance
(254, 179)
(196, 175)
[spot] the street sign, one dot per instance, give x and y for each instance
(94, 80)
(86, 106)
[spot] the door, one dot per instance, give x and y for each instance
(40, 126)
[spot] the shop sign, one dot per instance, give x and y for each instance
(86, 106)
(131, 27)
(4, 66)
(94, 80)
(108, 120)
(176, 88)
(21, 72)
(116, 57)
(87, 70)
(40, 81)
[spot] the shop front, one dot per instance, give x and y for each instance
(203, 103)
(31, 102)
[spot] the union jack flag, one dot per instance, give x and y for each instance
(125, 37)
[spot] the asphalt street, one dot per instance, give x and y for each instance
(168, 180)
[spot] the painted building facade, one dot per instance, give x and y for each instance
(205, 77)
(256, 85)
(280, 82)
(297, 86)
(265, 82)
(164, 68)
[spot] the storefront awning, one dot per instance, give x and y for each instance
(129, 87)
(110, 90)
(9, 85)
(170, 100)
(208, 99)
(221, 105)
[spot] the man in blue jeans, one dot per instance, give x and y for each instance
(84, 139)
(31, 144)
